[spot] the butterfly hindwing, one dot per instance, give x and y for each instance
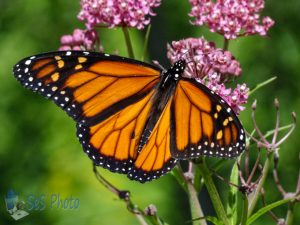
(154, 159)
(113, 142)
(203, 123)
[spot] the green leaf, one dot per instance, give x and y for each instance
(177, 173)
(219, 164)
(233, 195)
(260, 85)
(198, 181)
(212, 219)
(267, 208)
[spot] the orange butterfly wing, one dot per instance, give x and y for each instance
(109, 96)
(203, 123)
(111, 99)
(87, 85)
(154, 159)
(113, 142)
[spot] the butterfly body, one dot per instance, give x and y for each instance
(133, 118)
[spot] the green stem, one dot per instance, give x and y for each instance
(178, 174)
(189, 188)
(195, 206)
(145, 48)
(290, 214)
(141, 219)
(213, 193)
(226, 44)
(258, 86)
(256, 195)
(232, 204)
(128, 42)
(198, 181)
(271, 132)
(245, 210)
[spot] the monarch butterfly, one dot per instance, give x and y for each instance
(133, 117)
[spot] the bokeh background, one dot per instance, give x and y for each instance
(39, 151)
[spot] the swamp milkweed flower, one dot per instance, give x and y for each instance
(112, 13)
(80, 40)
(231, 18)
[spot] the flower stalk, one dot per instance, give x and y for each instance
(253, 199)
(150, 212)
(226, 44)
(213, 192)
(128, 42)
(146, 41)
(290, 214)
(245, 210)
(187, 181)
(196, 210)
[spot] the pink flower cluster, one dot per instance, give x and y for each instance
(211, 66)
(111, 13)
(235, 98)
(206, 58)
(231, 18)
(79, 40)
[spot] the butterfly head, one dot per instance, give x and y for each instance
(177, 69)
(173, 74)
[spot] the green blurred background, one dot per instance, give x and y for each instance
(39, 151)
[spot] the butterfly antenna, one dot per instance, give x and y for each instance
(155, 62)
(183, 54)
(195, 65)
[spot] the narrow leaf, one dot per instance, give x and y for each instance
(145, 48)
(233, 195)
(212, 219)
(258, 86)
(267, 208)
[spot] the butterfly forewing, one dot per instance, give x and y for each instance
(109, 97)
(86, 85)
